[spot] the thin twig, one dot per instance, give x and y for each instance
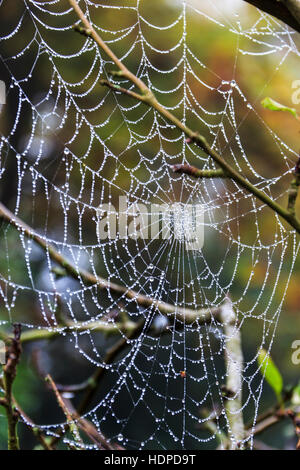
(109, 328)
(295, 416)
(90, 32)
(90, 385)
(266, 424)
(117, 88)
(72, 424)
(76, 422)
(271, 416)
(274, 416)
(90, 430)
(13, 353)
(196, 173)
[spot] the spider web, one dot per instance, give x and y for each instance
(72, 146)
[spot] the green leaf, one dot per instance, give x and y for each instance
(271, 373)
(273, 105)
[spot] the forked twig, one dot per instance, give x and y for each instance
(76, 422)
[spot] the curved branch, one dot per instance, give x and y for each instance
(109, 328)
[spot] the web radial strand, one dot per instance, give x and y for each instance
(90, 170)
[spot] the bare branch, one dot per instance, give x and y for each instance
(72, 425)
(76, 422)
(295, 417)
(90, 430)
(90, 32)
(234, 373)
(112, 328)
(266, 423)
(13, 353)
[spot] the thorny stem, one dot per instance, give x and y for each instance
(194, 137)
